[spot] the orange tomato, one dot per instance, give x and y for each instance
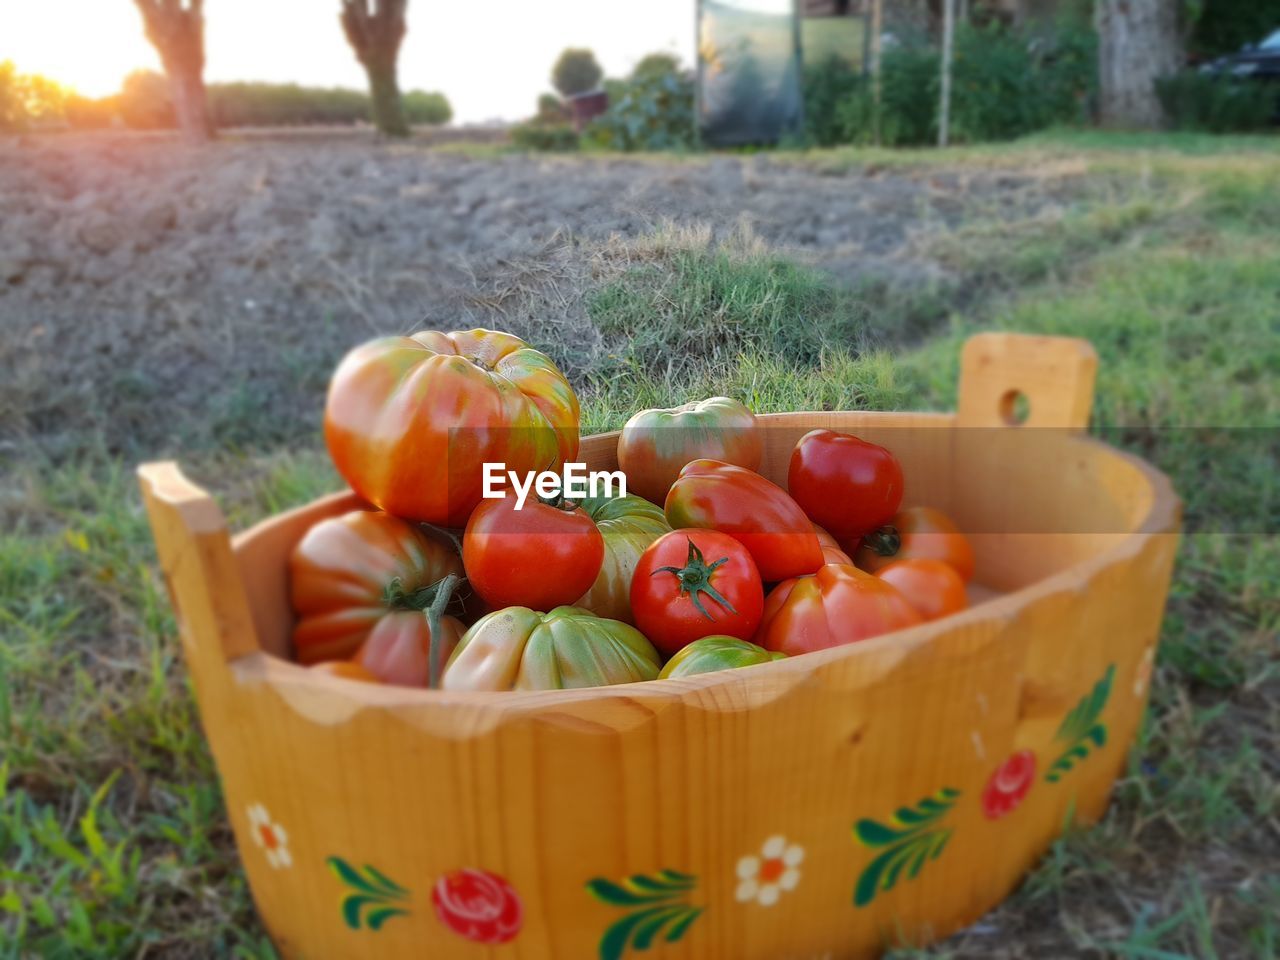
(365, 581)
(831, 552)
(347, 669)
(411, 421)
(934, 588)
(916, 533)
(837, 605)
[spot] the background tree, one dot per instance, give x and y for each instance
(176, 29)
(375, 29)
(575, 72)
(1139, 41)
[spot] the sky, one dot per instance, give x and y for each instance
(491, 59)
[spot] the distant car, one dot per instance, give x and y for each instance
(1253, 62)
(1260, 61)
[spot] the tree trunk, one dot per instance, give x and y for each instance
(176, 29)
(1138, 41)
(186, 89)
(384, 89)
(375, 30)
(948, 51)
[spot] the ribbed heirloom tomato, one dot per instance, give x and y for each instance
(756, 513)
(522, 649)
(656, 444)
(628, 525)
(831, 550)
(542, 555)
(695, 583)
(845, 484)
(837, 605)
(917, 533)
(410, 421)
(369, 585)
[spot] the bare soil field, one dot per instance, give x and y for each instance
(178, 282)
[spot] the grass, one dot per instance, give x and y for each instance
(112, 837)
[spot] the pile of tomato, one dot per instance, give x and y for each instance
(703, 565)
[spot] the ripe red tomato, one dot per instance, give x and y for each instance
(917, 533)
(694, 583)
(756, 513)
(837, 605)
(656, 444)
(398, 649)
(410, 421)
(542, 556)
(349, 574)
(831, 552)
(934, 588)
(844, 484)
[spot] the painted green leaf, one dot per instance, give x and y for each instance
(620, 896)
(659, 909)
(909, 843)
(1081, 727)
(645, 932)
(874, 834)
(616, 939)
(384, 882)
(681, 926)
(348, 875)
(375, 891)
(352, 906)
(378, 917)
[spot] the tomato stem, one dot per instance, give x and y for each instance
(886, 541)
(695, 579)
(433, 613)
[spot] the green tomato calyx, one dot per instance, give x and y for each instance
(695, 579)
(885, 542)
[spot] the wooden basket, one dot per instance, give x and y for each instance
(830, 805)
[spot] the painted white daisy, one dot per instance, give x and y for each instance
(271, 837)
(763, 878)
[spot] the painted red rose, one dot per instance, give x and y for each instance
(478, 905)
(1009, 784)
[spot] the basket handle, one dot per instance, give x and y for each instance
(199, 569)
(1053, 375)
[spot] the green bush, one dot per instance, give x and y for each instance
(86, 113)
(652, 110)
(144, 101)
(1224, 26)
(576, 71)
(1198, 101)
(551, 109)
(541, 135)
(27, 97)
(283, 104)
(429, 108)
(826, 86)
(908, 101)
(12, 112)
(1004, 84)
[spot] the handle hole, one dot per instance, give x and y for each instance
(1014, 408)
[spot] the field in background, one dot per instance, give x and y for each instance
(170, 305)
